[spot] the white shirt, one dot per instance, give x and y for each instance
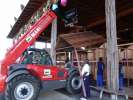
(86, 69)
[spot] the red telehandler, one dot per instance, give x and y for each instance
(24, 80)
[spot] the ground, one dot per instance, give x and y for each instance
(57, 95)
(63, 95)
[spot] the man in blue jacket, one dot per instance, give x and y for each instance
(100, 71)
(121, 76)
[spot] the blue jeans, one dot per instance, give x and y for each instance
(121, 81)
(100, 80)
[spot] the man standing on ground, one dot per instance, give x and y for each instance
(100, 71)
(86, 70)
(121, 76)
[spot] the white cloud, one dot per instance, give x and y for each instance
(8, 9)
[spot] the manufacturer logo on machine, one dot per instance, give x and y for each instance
(33, 34)
(47, 73)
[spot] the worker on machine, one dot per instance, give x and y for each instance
(69, 17)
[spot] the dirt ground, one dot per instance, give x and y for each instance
(63, 95)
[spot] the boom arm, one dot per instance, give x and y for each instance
(26, 40)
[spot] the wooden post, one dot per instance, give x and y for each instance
(94, 63)
(112, 48)
(127, 66)
(80, 70)
(53, 41)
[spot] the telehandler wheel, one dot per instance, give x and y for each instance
(23, 87)
(73, 85)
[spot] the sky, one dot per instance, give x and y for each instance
(8, 10)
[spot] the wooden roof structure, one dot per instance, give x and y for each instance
(80, 39)
(91, 15)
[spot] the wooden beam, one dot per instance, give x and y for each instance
(112, 48)
(120, 14)
(88, 43)
(126, 44)
(89, 40)
(53, 41)
(86, 35)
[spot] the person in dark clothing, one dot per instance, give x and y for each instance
(68, 17)
(100, 70)
(57, 7)
(121, 76)
(68, 63)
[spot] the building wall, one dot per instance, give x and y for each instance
(126, 56)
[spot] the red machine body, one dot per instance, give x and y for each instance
(47, 72)
(22, 44)
(23, 81)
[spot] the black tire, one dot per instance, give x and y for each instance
(17, 88)
(73, 85)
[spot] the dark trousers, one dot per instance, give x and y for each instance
(86, 80)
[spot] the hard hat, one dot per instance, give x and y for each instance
(63, 3)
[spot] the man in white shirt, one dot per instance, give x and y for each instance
(86, 70)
